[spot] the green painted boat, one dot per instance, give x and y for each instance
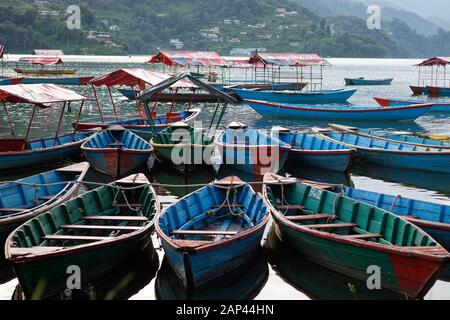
(183, 146)
(354, 238)
(91, 233)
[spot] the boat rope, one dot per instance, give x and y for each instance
(233, 209)
(120, 190)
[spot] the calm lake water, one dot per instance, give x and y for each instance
(277, 271)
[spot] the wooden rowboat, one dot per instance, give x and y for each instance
(418, 91)
(95, 232)
(26, 198)
(433, 218)
(333, 112)
(311, 150)
(251, 150)
(438, 91)
(394, 136)
(437, 106)
(393, 154)
(212, 231)
(183, 146)
(351, 237)
(316, 97)
(116, 151)
(367, 82)
(45, 71)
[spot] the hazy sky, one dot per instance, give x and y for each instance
(428, 8)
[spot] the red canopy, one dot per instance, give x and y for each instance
(43, 95)
(288, 59)
(48, 53)
(435, 61)
(42, 61)
(189, 58)
(240, 62)
(133, 77)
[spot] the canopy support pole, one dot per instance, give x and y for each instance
(172, 105)
(59, 122)
(13, 132)
(191, 100)
(150, 119)
(112, 103)
(214, 115)
(29, 127)
(220, 118)
(156, 102)
(75, 127)
(98, 103)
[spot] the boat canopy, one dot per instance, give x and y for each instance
(241, 62)
(136, 77)
(435, 61)
(45, 61)
(147, 94)
(189, 58)
(48, 53)
(42, 95)
(288, 59)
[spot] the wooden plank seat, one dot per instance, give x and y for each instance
(100, 228)
(290, 207)
(331, 225)
(364, 236)
(407, 218)
(115, 144)
(204, 232)
(124, 205)
(74, 238)
(311, 217)
(12, 209)
(114, 218)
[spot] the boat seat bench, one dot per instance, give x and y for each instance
(331, 226)
(364, 236)
(74, 238)
(311, 217)
(114, 218)
(205, 232)
(290, 207)
(100, 228)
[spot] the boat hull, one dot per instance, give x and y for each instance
(29, 158)
(407, 275)
(324, 97)
(437, 107)
(68, 81)
(328, 160)
(198, 268)
(418, 91)
(46, 71)
(438, 91)
(174, 97)
(257, 160)
(92, 262)
(315, 112)
(367, 82)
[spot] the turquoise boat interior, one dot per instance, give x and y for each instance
(117, 139)
(406, 138)
(309, 141)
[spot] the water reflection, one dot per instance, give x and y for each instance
(243, 283)
(120, 283)
(316, 281)
(439, 182)
(319, 175)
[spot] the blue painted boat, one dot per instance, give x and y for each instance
(141, 125)
(5, 81)
(67, 81)
(433, 218)
(116, 151)
(314, 97)
(394, 154)
(179, 97)
(367, 82)
(19, 153)
(212, 231)
(26, 198)
(311, 150)
(438, 91)
(270, 109)
(394, 136)
(437, 107)
(281, 86)
(251, 150)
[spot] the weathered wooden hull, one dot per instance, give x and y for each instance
(198, 268)
(332, 160)
(316, 112)
(92, 263)
(437, 107)
(30, 158)
(257, 160)
(332, 96)
(411, 276)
